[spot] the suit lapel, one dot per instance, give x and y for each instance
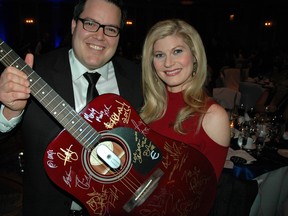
(122, 80)
(63, 73)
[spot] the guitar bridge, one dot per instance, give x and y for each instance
(144, 191)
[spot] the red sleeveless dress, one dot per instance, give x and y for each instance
(215, 153)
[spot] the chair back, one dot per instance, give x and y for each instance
(226, 97)
(231, 78)
(250, 93)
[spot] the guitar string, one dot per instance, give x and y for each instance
(126, 180)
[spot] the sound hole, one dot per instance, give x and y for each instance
(116, 150)
(102, 164)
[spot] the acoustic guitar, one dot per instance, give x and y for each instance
(110, 161)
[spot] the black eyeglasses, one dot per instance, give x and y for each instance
(93, 26)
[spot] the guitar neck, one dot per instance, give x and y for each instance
(82, 131)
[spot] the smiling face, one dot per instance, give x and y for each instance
(95, 49)
(173, 62)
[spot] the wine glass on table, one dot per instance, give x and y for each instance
(262, 134)
(242, 137)
(241, 110)
(251, 112)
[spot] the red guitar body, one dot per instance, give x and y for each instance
(152, 175)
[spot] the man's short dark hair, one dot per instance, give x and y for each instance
(78, 9)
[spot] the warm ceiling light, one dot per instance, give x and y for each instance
(129, 22)
(268, 23)
(186, 2)
(29, 21)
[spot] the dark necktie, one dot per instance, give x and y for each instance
(92, 79)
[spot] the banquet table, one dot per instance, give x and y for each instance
(270, 171)
(267, 161)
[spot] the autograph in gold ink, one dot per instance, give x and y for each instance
(138, 127)
(83, 183)
(126, 110)
(195, 179)
(145, 148)
(123, 113)
(175, 154)
(68, 155)
(114, 119)
(100, 202)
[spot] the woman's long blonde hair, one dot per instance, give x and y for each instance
(155, 93)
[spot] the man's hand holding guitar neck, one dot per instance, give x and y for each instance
(14, 89)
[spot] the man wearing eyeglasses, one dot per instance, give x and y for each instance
(96, 28)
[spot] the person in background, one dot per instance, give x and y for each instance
(275, 100)
(96, 28)
(174, 71)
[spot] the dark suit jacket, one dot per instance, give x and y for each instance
(41, 196)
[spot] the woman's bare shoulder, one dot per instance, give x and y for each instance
(216, 124)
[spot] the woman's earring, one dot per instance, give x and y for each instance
(195, 65)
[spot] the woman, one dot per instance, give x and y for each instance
(174, 69)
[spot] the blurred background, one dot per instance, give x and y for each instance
(226, 26)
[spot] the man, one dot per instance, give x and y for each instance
(95, 31)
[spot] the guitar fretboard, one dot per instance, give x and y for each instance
(82, 131)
